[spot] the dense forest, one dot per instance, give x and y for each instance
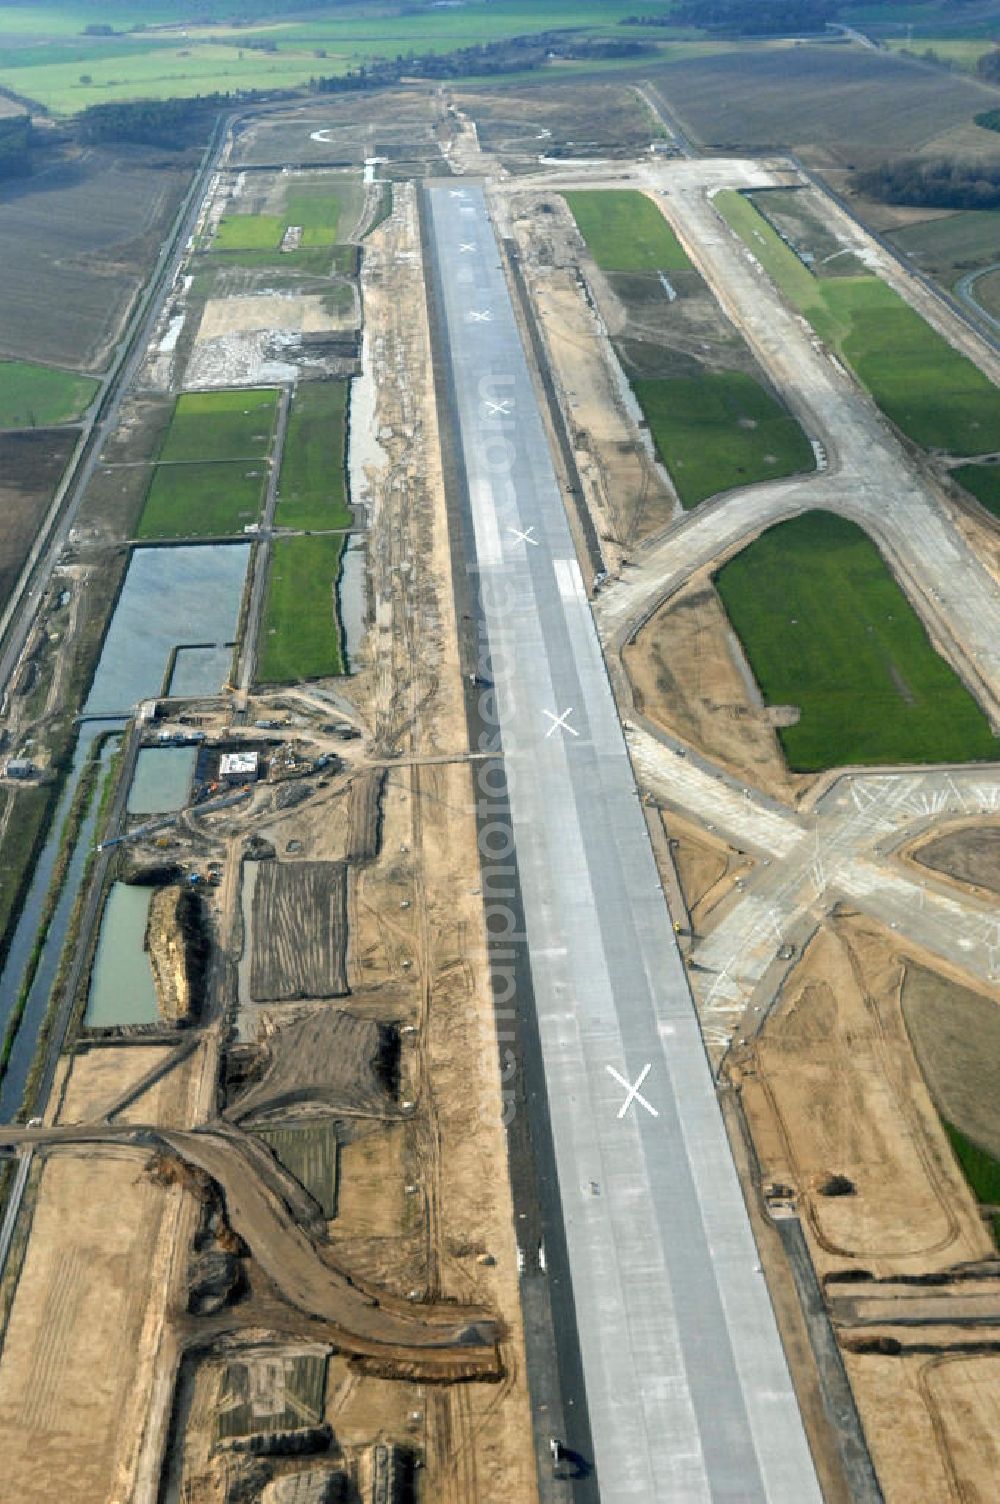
(933, 184)
(757, 17)
(151, 122)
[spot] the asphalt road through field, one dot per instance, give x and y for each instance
(687, 1386)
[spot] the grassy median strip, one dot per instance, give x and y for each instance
(827, 629)
(300, 638)
(312, 488)
(936, 397)
(33, 396)
(721, 430)
(625, 231)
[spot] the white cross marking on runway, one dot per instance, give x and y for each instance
(483, 316)
(504, 408)
(527, 538)
(467, 245)
(634, 1094)
(559, 722)
(458, 193)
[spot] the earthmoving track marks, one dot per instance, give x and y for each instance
(299, 931)
(325, 1057)
(439, 1341)
(887, 1056)
(68, 1291)
(266, 1208)
(364, 831)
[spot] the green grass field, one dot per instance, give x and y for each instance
(34, 396)
(721, 430)
(826, 628)
(948, 247)
(212, 467)
(936, 396)
(249, 232)
(317, 212)
(203, 500)
(312, 491)
(625, 231)
(300, 638)
(983, 481)
(223, 425)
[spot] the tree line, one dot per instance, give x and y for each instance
(756, 17)
(935, 183)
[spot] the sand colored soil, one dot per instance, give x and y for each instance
(689, 676)
(80, 1350)
(932, 1421)
(706, 869)
(627, 493)
(305, 314)
(956, 1037)
(167, 955)
(834, 1089)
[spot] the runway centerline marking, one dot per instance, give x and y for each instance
(634, 1094)
(526, 537)
(559, 722)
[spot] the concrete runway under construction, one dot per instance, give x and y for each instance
(687, 1387)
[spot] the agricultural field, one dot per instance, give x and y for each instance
(936, 396)
(33, 396)
(946, 248)
(76, 244)
(720, 430)
(828, 631)
(858, 104)
(212, 468)
(956, 52)
(31, 465)
(983, 482)
(222, 425)
(312, 489)
(625, 231)
(300, 635)
(210, 500)
(248, 232)
(74, 72)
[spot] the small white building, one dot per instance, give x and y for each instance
(238, 767)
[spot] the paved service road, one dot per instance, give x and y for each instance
(687, 1386)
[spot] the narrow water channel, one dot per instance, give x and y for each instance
(22, 946)
(194, 590)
